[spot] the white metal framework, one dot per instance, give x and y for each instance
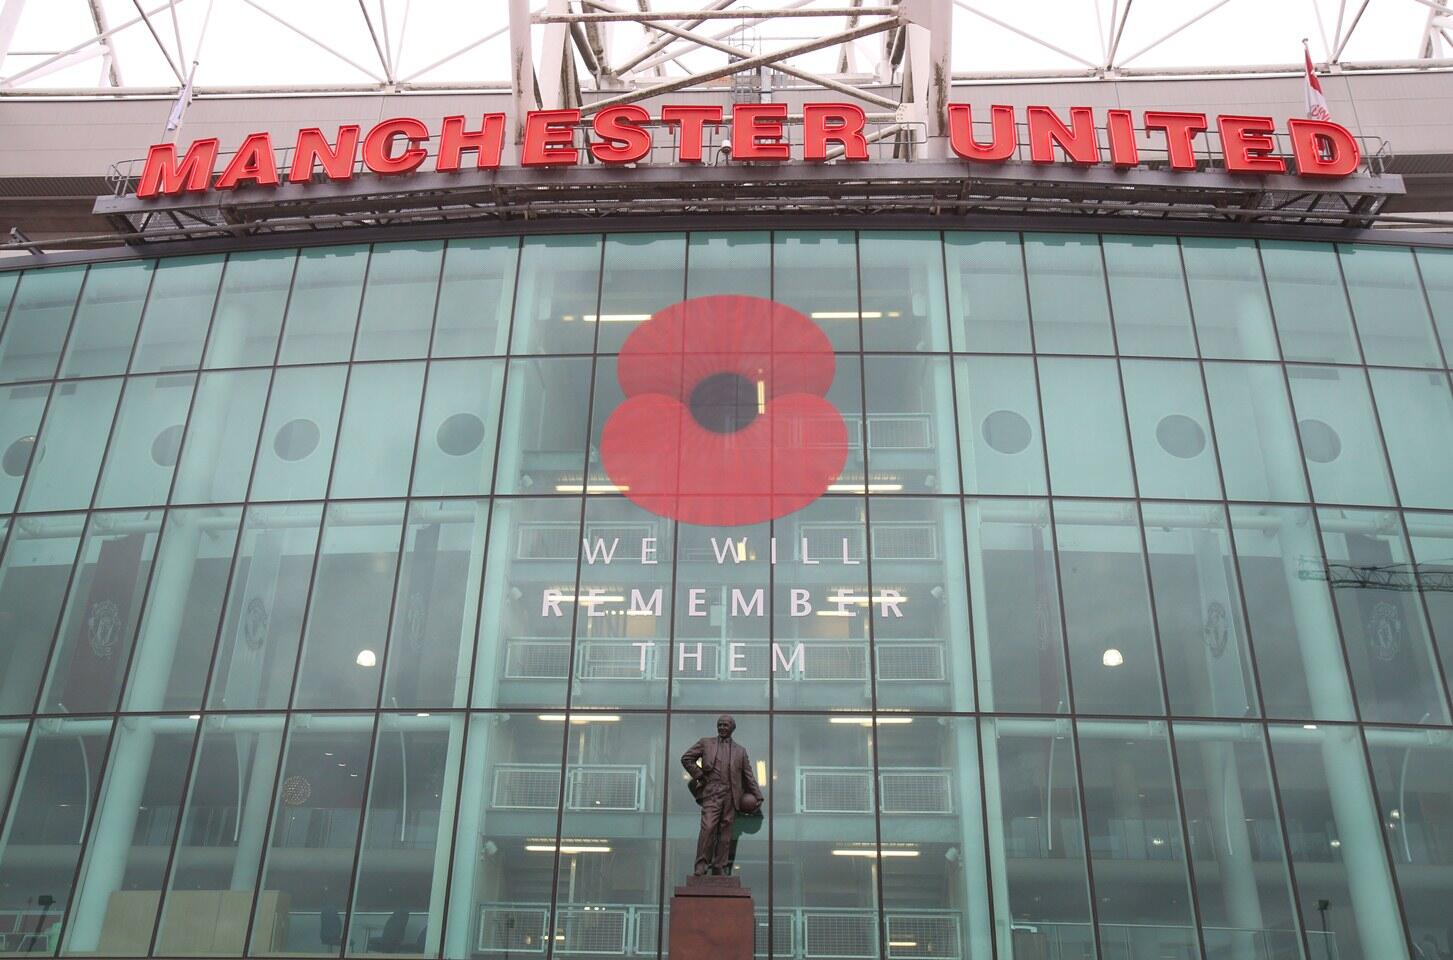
(555, 52)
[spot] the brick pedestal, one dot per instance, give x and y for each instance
(712, 919)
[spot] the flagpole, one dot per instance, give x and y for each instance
(173, 131)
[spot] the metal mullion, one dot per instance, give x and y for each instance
(166, 871)
(468, 705)
(259, 878)
(145, 308)
(875, 740)
(771, 675)
(1279, 811)
(977, 713)
(350, 893)
(575, 612)
(1074, 735)
(15, 292)
(8, 797)
(1336, 612)
(102, 773)
(1428, 304)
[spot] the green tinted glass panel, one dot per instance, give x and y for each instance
(1310, 302)
(816, 273)
(376, 439)
(1255, 433)
(544, 427)
(178, 313)
(731, 262)
(1391, 310)
(558, 288)
(21, 409)
(217, 453)
(1148, 294)
(250, 308)
(904, 305)
(1339, 435)
(475, 297)
(33, 579)
(72, 442)
(1415, 410)
(40, 315)
(1084, 423)
(1228, 297)
(398, 302)
(987, 299)
(106, 319)
(1067, 294)
(910, 424)
(643, 273)
(323, 309)
(296, 450)
(999, 434)
(1436, 268)
(458, 428)
(1169, 430)
(146, 441)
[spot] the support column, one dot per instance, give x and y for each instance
(522, 73)
(463, 897)
(929, 25)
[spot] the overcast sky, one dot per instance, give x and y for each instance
(243, 46)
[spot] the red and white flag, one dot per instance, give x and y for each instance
(1316, 99)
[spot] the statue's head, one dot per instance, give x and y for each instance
(725, 725)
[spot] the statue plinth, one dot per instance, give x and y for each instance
(712, 917)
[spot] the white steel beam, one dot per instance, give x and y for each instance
(554, 49)
(522, 69)
(1025, 34)
(313, 40)
(929, 24)
(9, 16)
(464, 49)
(1351, 28)
(672, 52)
(751, 63)
(146, 18)
(112, 67)
(380, 47)
(36, 68)
(655, 15)
(1119, 32)
(659, 45)
(1177, 31)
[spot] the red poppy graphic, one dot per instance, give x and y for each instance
(725, 421)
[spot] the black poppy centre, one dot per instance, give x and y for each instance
(724, 402)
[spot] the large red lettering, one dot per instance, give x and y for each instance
(488, 143)
(840, 123)
(1180, 135)
(692, 118)
(378, 153)
(1324, 148)
(1247, 144)
(163, 175)
(626, 141)
(313, 148)
(252, 163)
(757, 131)
(961, 134)
(549, 138)
(1077, 140)
(1120, 125)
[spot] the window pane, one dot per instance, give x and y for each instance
(524, 642)
(986, 292)
(323, 309)
(733, 261)
(317, 805)
(1228, 297)
(183, 608)
(1387, 643)
(939, 900)
(1310, 303)
(920, 605)
(1169, 429)
(1392, 315)
(999, 437)
(250, 308)
(911, 424)
(120, 880)
(1254, 432)
(1148, 294)
(398, 301)
(296, 449)
(1067, 293)
(557, 289)
(20, 411)
(644, 273)
(1113, 657)
(1136, 847)
(1036, 839)
(546, 409)
(459, 426)
(345, 646)
(376, 440)
(265, 604)
(499, 894)
(475, 297)
(221, 437)
(72, 442)
(99, 624)
(1436, 267)
(146, 441)
(107, 318)
(13, 734)
(404, 859)
(816, 273)
(1340, 439)
(220, 842)
(33, 580)
(826, 861)
(54, 794)
(178, 312)
(1085, 425)
(8, 282)
(1021, 657)
(40, 314)
(903, 291)
(609, 801)
(620, 658)
(1337, 852)
(1413, 774)
(1293, 627)
(1432, 542)
(436, 610)
(1416, 414)
(1241, 878)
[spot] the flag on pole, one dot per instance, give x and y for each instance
(179, 109)
(1316, 99)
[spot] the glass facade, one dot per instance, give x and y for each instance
(1124, 630)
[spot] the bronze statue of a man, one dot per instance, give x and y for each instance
(721, 780)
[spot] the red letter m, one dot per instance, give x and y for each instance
(163, 175)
